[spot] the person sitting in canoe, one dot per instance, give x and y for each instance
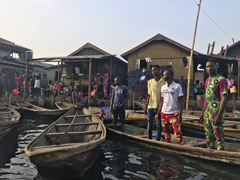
(119, 98)
(171, 107)
(106, 115)
(213, 112)
(77, 98)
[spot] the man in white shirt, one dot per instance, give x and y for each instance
(171, 107)
(37, 86)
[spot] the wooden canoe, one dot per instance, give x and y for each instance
(192, 147)
(8, 120)
(77, 151)
(4, 104)
(28, 107)
(64, 105)
(231, 128)
(230, 116)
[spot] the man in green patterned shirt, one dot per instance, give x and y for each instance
(214, 106)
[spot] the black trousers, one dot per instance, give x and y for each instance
(119, 112)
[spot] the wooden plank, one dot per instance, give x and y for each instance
(73, 133)
(89, 80)
(230, 125)
(71, 116)
(77, 124)
(25, 81)
(238, 78)
(189, 119)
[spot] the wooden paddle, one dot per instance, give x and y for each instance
(69, 127)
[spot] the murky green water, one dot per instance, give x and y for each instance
(119, 159)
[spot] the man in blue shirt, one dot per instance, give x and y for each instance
(119, 98)
(106, 115)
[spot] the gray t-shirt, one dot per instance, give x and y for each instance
(120, 93)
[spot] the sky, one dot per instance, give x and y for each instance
(59, 27)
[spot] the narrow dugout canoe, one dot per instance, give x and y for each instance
(77, 151)
(231, 128)
(64, 105)
(192, 147)
(28, 107)
(8, 120)
(231, 116)
(3, 104)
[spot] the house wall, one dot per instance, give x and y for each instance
(10, 77)
(161, 53)
(51, 74)
(234, 52)
(88, 51)
(4, 52)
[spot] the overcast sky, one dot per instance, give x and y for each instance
(59, 27)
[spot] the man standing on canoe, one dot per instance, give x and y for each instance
(119, 98)
(153, 102)
(171, 107)
(214, 106)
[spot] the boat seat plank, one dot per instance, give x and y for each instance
(54, 146)
(73, 133)
(9, 112)
(230, 125)
(198, 144)
(77, 124)
(71, 116)
(190, 119)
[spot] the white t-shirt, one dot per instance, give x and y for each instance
(37, 83)
(170, 97)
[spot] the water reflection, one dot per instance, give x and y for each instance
(119, 159)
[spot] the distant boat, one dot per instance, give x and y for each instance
(192, 147)
(78, 149)
(8, 120)
(29, 107)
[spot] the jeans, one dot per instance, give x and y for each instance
(151, 120)
(119, 112)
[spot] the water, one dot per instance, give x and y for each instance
(119, 159)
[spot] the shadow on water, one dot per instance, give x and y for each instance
(8, 146)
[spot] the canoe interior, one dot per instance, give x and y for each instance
(8, 120)
(64, 105)
(86, 128)
(8, 116)
(27, 105)
(189, 119)
(187, 141)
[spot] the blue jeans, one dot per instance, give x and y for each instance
(151, 119)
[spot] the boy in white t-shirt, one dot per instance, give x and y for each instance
(171, 107)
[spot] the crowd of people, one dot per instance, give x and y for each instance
(164, 100)
(164, 104)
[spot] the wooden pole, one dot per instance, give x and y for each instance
(61, 69)
(209, 45)
(110, 76)
(213, 47)
(191, 56)
(226, 50)
(238, 78)
(25, 81)
(89, 80)
(58, 81)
